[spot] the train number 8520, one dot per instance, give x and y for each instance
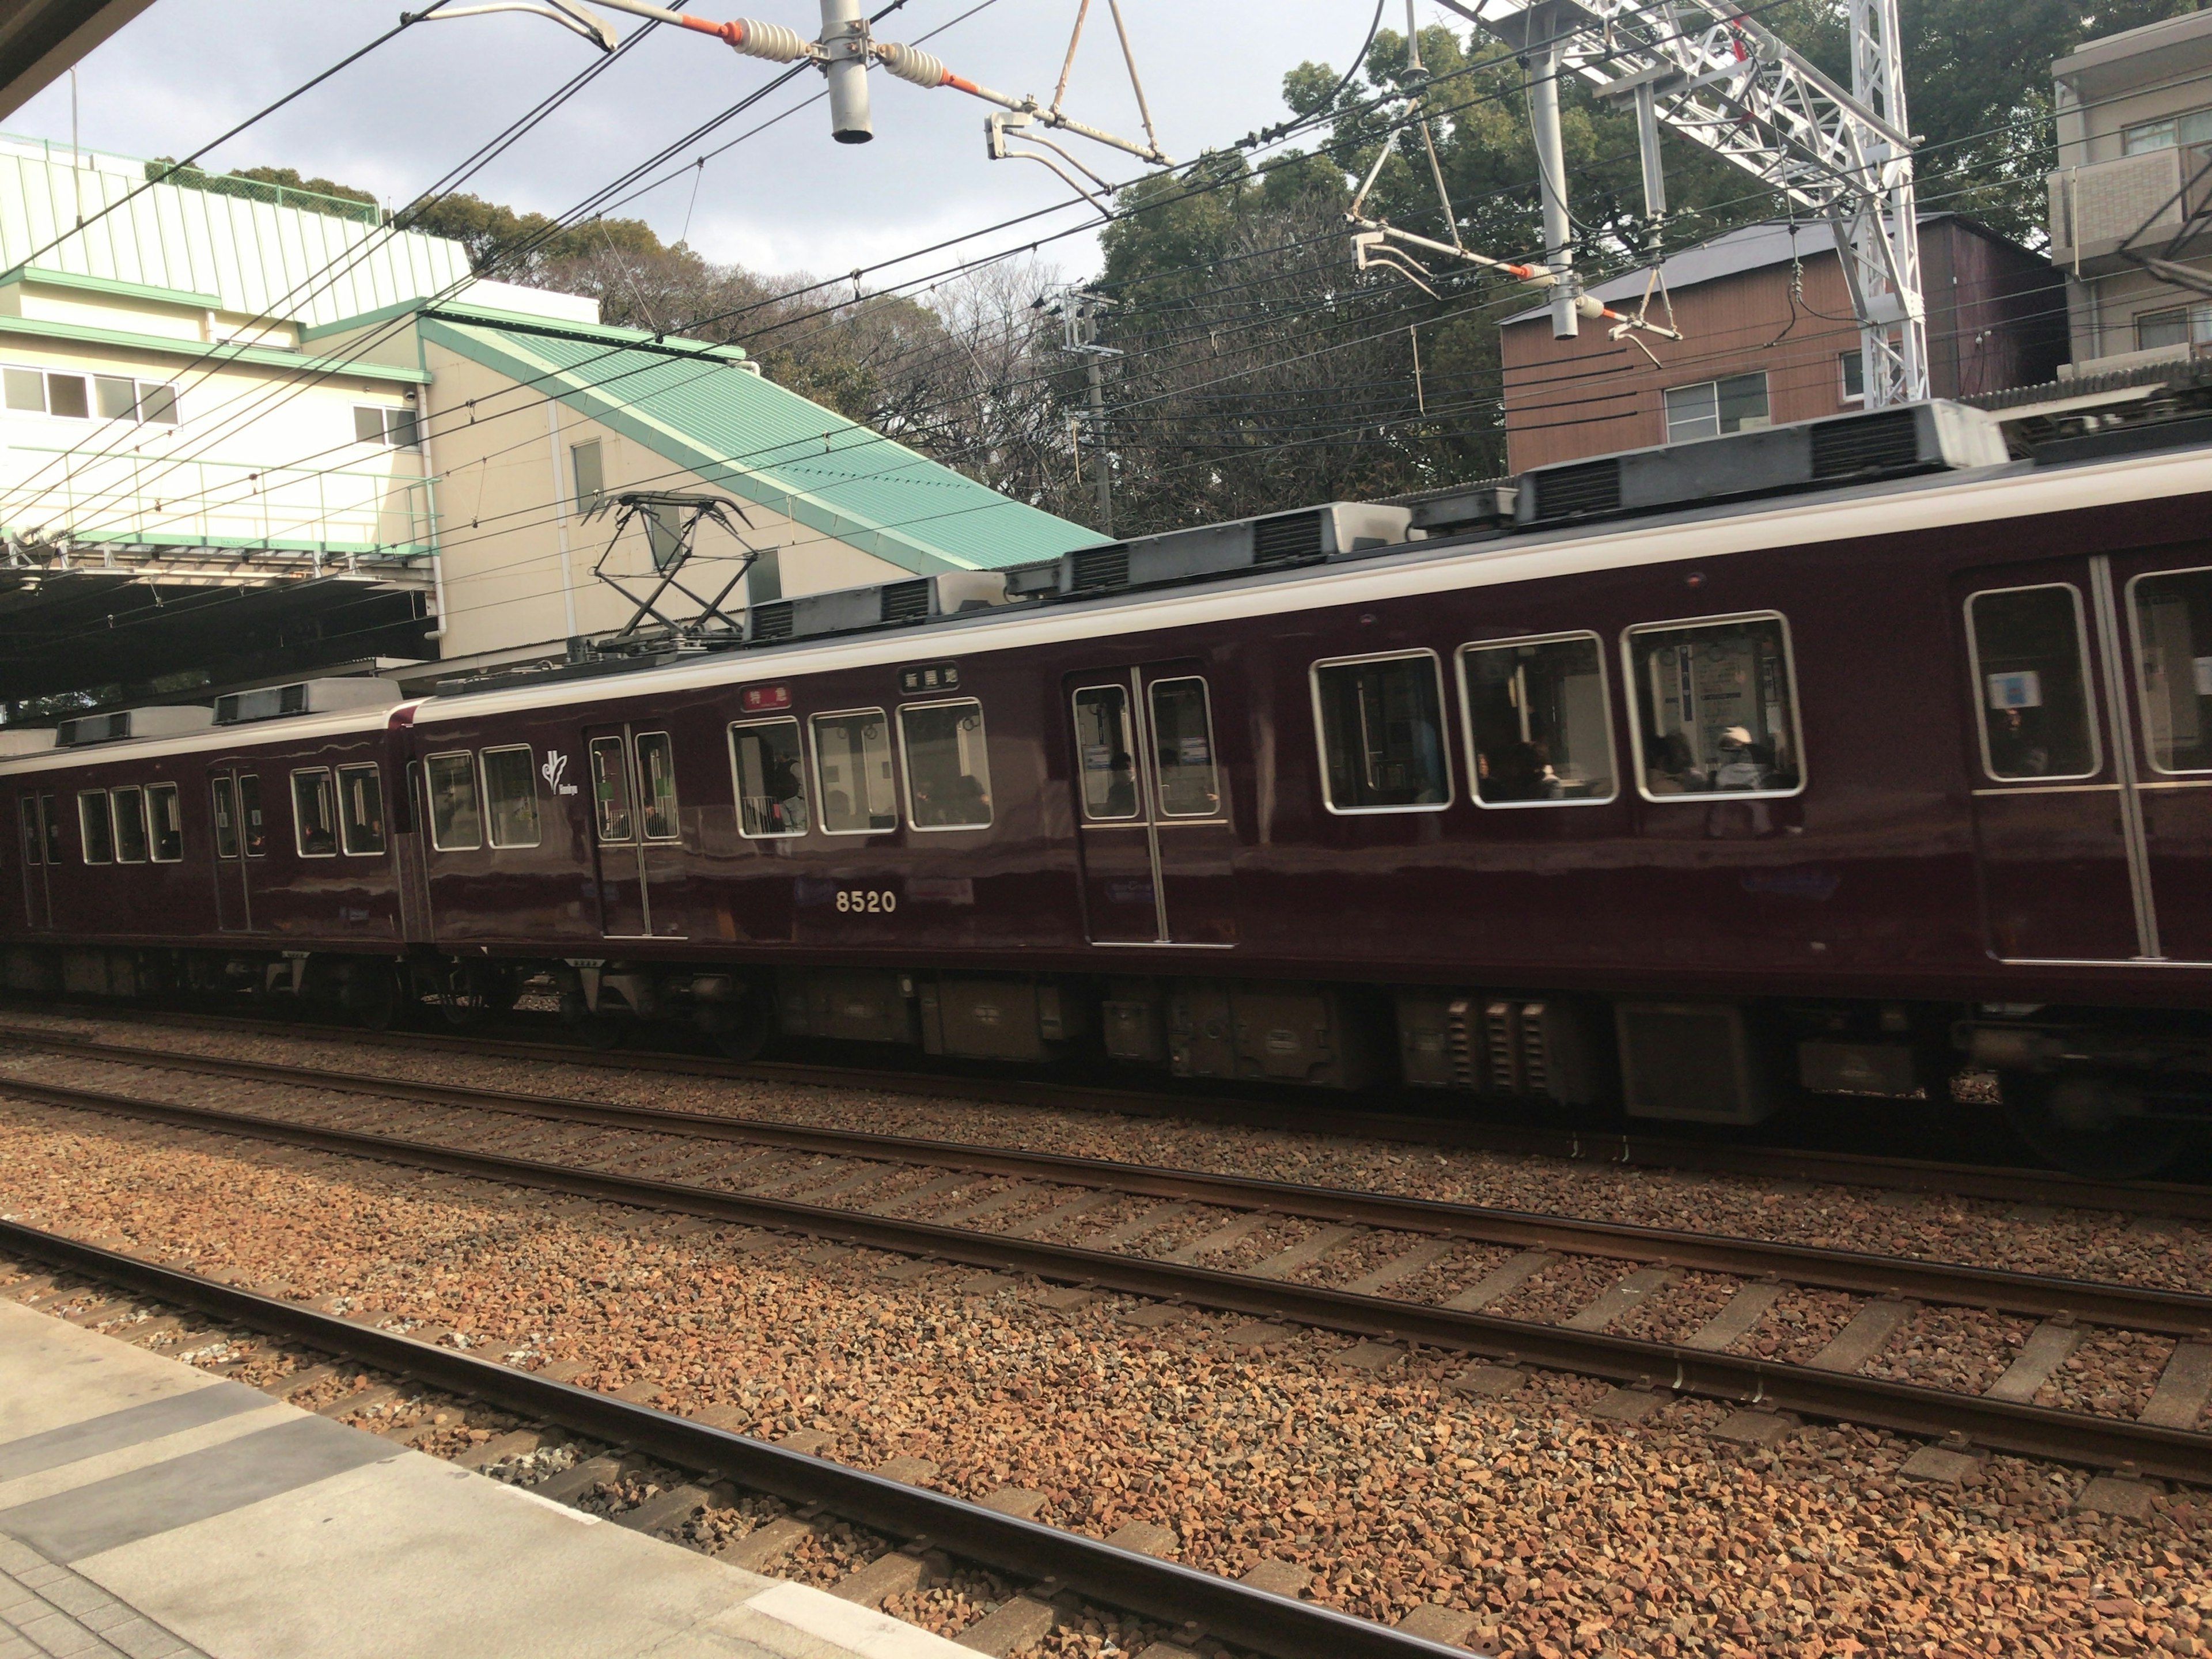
(868, 901)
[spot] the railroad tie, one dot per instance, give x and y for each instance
(2046, 1350)
(1013, 1624)
(1306, 1251)
(2183, 1388)
(671, 1507)
(866, 1175)
(1621, 1298)
(1870, 1331)
(1082, 1205)
(1400, 1267)
(1745, 1309)
(1501, 1281)
(778, 1173)
(951, 1182)
(1005, 1199)
(764, 1546)
(886, 1576)
(1129, 1232)
(1221, 1239)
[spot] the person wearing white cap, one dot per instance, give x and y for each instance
(1743, 766)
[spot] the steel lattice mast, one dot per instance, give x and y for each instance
(1729, 83)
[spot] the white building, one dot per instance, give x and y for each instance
(248, 432)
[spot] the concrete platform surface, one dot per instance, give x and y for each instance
(150, 1510)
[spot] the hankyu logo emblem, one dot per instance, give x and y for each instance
(555, 770)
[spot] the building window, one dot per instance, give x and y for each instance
(2180, 326)
(1712, 407)
(1850, 368)
(389, 428)
(116, 397)
(591, 475)
(2194, 128)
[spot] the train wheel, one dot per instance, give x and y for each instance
(2091, 1126)
(743, 1032)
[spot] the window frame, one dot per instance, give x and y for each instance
(814, 754)
(1137, 814)
(220, 784)
(84, 797)
(484, 782)
(1320, 730)
(1159, 802)
(384, 833)
(906, 767)
(1706, 797)
(592, 748)
(2142, 682)
(299, 823)
(34, 831)
(248, 837)
(737, 783)
(115, 794)
(1981, 692)
(1467, 719)
(675, 834)
(430, 798)
(153, 835)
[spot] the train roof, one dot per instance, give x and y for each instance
(1780, 486)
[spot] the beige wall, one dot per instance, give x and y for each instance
(517, 556)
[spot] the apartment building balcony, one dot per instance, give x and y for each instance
(2096, 208)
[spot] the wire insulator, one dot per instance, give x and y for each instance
(773, 41)
(912, 63)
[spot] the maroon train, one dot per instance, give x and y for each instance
(1839, 757)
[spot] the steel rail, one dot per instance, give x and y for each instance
(2003, 1184)
(1999, 1426)
(1179, 1595)
(2170, 1313)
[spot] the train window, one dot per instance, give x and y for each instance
(360, 810)
(1183, 750)
(129, 816)
(1716, 708)
(456, 825)
(948, 771)
(511, 796)
(249, 810)
(1538, 727)
(98, 833)
(852, 763)
(225, 817)
(1380, 720)
(34, 847)
(314, 813)
(610, 788)
(52, 813)
(2031, 655)
(165, 821)
(2172, 612)
(656, 786)
(1107, 753)
(771, 778)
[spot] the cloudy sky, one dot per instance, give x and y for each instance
(786, 198)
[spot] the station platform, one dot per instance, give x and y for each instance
(148, 1508)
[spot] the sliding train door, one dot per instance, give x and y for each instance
(41, 841)
(636, 839)
(2165, 614)
(1154, 837)
(241, 839)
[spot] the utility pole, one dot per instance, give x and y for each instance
(1078, 310)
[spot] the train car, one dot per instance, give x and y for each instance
(1840, 756)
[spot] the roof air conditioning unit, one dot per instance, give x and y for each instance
(1232, 549)
(1457, 512)
(886, 604)
(1884, 443)
(270, 702)
(132, 723)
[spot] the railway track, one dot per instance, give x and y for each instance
(999, 1209)
(1998, 1184)
(1196, 1607)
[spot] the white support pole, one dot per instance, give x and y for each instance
(1878, 233)
(1542, 65)
(845, 45)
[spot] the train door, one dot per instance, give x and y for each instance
(1154, 837)
(636, 839)
(2058, 814)
(410, 869)
(240, 838)
(41, 839)
(2165, 606)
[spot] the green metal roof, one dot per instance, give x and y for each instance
(691, 403)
